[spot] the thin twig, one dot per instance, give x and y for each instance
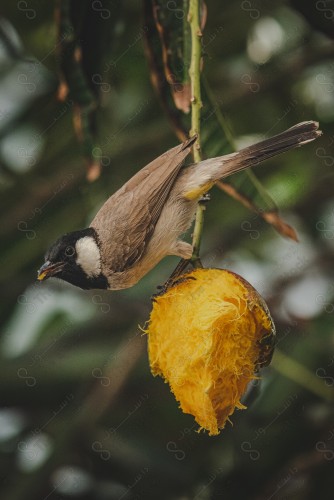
(196, 105)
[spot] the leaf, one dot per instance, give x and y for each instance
(168, 50)
(84, 35)
(173, 30)
(160, 82)
(182, 94)
(272, 217)
(282, 227)
(93, 170)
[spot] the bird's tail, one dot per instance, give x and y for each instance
(205, 173)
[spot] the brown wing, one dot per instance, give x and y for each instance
(127, 220)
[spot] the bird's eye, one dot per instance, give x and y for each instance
(69, 251)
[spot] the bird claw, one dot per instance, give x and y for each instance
(205, 198)
(175, 278)
(170, 283)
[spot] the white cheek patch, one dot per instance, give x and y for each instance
(88, 256)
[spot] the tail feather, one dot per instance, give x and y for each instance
(200, 177)
(294, 137)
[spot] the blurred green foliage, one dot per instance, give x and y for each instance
(81, 416)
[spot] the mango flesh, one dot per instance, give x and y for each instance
(204, 339)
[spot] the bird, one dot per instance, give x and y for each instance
(145, 220)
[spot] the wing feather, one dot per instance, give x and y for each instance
(127, 220)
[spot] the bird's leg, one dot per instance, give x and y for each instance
(179, 270)
(176, 277)
(189, 257)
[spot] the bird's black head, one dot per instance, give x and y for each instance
(75, 257)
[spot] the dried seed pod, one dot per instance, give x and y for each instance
(207, 337)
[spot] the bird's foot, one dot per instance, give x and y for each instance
(175, 278)
(205, 198)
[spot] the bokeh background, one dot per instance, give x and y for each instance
(81, 416)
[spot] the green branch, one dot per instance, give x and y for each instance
(301, 375)
(196, 105)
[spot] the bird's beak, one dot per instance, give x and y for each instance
(47, 270)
